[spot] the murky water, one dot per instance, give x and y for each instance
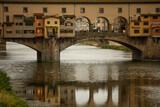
(86, 77)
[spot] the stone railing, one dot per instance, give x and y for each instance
(99, 34)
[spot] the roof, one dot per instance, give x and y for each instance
(51, 16)
(80, 1)
(38, 14)
(18, 15)
(72, 16)
(150, 14)
(8, 22)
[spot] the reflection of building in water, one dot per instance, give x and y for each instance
(52, 95)
(115, 91)
(67, 94)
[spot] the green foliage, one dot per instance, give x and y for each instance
(7, 98)
(4, 82)
(98, 44)
(116, 47)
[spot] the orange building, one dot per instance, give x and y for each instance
(155, 24)
(38, 27)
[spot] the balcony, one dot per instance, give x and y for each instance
(51, 34)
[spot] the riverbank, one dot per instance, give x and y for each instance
(7, 98)
(98, 44)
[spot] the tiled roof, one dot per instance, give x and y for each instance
(81, 1)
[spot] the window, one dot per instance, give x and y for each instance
(48, 22)
(29, 23)
(55, 22)
(69, 31)
(136, 31)
(28, 31)
(145, 23)
(101, 10)
(62, 23)
(136, 23)
(138, 10)
(8, 24)
(145, 17)
(69, 24)
(9, 32)
(63, 10)
(155, 17)
(145, 31)
(5, 9)
(45, 10)
(18, 17)
(17, 24)
(82, 10)
(68, 18)
(39, 31)
(157, 10)
(38, 17)
(157, 30)
(7, 18)
(25, 10)
(62, 31)
(39, 24)
(20, 24)
(19, 31)
(119, 10)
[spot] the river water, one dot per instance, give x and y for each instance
(87, 76)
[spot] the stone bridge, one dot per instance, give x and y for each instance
(48, 50)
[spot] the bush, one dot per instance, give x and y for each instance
(7, 98)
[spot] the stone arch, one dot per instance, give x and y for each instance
(29, 43)
(104, 23)
(120, 25)
(88, 23)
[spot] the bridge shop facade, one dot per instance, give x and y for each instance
(51, 26)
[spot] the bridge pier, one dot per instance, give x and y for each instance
(2, 46)
(150, 49)
(50, 51)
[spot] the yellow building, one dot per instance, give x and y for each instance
(140, 25)
(51, 26)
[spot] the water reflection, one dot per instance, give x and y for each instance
(53, 86)
(103, 79)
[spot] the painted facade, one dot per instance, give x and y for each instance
(67, 26)
(120, 13)
(38, 24)
(52, 26)
(145, 25)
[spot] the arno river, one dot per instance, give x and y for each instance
(87, 76)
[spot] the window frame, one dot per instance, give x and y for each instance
(64, 10)
(82, 10)
(6, 9)
(45, 10)
(120, 10)
(136, 32)
(138, 10)
(101, 10)
(25, 9)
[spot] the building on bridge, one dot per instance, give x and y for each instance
(145, 25)
(38, 26)
(52, 26)
(67, 26)
(117, 15)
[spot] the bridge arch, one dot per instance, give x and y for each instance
(102, 24)
(120, 25)
(33, 44)
(83, 24)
